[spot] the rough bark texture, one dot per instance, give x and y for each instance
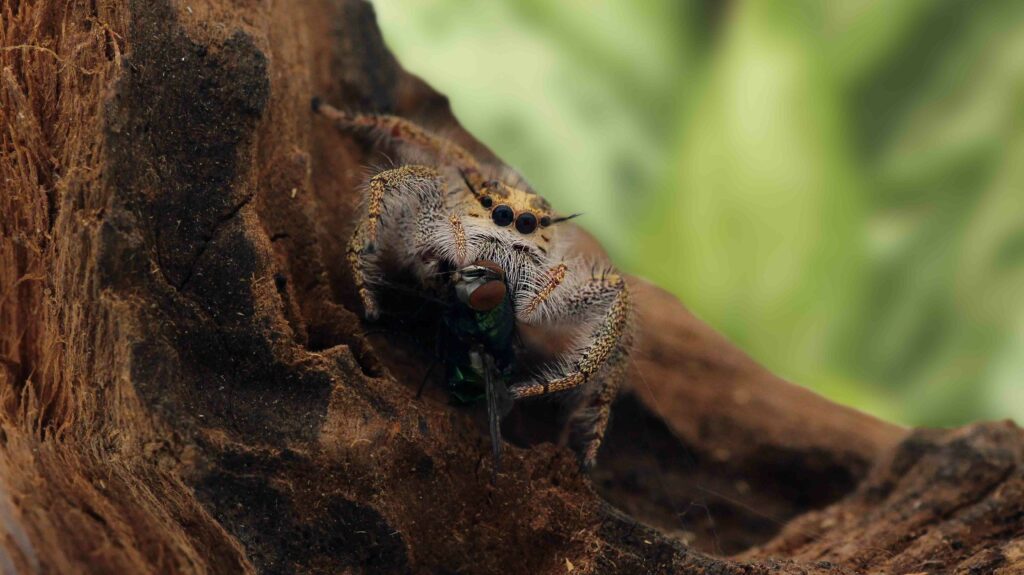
(184, 386)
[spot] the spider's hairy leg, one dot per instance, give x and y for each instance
(603, 296)
(414, 188)
(405, 131)
(588, 422)
(363, 268)
(601, 361)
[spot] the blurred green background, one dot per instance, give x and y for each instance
(837, 186)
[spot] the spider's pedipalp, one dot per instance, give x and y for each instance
(608, 296)
(533, 302)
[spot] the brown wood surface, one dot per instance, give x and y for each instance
(185, 387)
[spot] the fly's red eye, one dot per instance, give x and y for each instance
(526, 223)
(503, 215)
(488, 296)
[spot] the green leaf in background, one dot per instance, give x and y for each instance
(938, 122)
(838, 186)
(758, 229)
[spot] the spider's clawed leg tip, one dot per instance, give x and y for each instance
(370, 311)
(315, 103)
(587, 464)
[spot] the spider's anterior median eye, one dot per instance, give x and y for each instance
(526, 223)
(503, 215)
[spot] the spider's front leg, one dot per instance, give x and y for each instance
(401, 199)
(602, 301)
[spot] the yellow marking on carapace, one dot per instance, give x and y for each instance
(519, 200)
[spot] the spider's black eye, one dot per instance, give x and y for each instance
(486, 201)
(526, 223)
(503, 215)
(545, 221)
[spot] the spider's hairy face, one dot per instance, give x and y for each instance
(526, 216)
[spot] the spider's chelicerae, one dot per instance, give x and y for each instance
(469, 230)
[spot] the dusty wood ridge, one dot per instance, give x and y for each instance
(186, 389)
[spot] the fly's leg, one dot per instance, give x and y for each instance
(602, 300)
(409, 189)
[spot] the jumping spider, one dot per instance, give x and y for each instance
(480, 236)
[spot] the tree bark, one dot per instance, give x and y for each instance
(185, 387)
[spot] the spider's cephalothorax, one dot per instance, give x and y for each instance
(441, 213)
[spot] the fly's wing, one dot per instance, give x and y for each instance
(499, 402)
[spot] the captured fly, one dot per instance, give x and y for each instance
(479, 338)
